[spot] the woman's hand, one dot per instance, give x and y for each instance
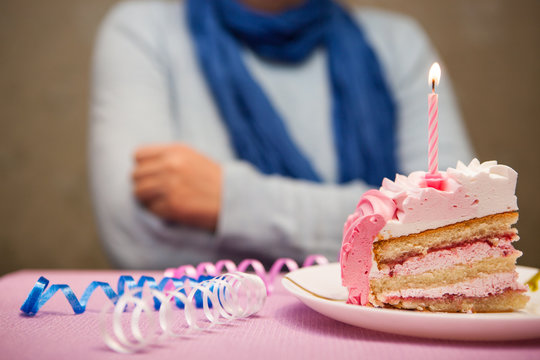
(179, 184)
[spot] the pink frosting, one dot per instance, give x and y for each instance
(488, 285)
(360, 230)
(417, 202)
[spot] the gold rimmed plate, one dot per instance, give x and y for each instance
(319, 287)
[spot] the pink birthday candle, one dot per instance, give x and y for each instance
(433, 128)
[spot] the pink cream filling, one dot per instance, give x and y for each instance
(490, 285)
(446, 258)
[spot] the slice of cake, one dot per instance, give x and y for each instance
(436, 246)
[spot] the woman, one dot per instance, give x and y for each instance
(235, 128)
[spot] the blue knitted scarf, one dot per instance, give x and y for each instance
(362, 107)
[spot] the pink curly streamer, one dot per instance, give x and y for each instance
(208, 268)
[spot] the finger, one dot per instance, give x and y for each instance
(150, 152)
(148, 189)
(146, 169)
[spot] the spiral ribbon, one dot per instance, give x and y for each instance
(40, 294)
(224, 298)
(174, 278)
(210, 269)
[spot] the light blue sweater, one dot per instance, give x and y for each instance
(148, 89)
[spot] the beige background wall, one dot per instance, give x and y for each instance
(491, 48)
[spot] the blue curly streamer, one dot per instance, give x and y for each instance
(39, 294)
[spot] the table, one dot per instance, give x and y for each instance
(284, 328)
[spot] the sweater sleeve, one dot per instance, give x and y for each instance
(130, 108)
(280, 216)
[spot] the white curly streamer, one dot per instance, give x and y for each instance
(225, 298)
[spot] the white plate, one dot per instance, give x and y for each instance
(319, 287)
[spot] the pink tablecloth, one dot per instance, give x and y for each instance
(285, 328)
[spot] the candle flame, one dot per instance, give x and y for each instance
(434, 75)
